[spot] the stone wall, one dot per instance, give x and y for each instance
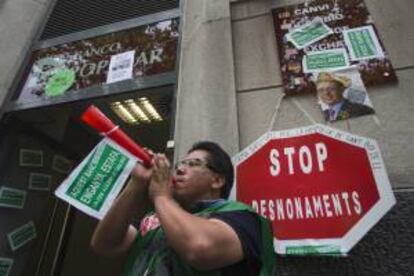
(19, 23)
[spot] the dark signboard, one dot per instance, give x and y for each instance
(325, 35)
(69, 67)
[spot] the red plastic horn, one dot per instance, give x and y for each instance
(96, 119)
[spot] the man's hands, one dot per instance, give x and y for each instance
(155, 181)
(160, 182)
(140, 173)
(115, 234)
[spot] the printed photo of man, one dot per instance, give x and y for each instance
(339, 98)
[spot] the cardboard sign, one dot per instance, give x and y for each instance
(322, 189)
(95, 183)
(12, 198)
(40, 181)
(22, 235)
(31, 158)
(5, 266)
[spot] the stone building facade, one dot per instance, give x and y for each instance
(229, 89)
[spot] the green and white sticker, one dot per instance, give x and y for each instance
(328, 60)
(331, 250)
(61, 164)
(94, 184)
(22, 235)
(5, 266)
(363, 43)
(307, 34)
(31, 158)
(40, 181)
(12, 198)
(60, 82)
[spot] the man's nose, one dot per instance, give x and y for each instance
(180, 170)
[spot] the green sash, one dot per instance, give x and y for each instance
(151, 255)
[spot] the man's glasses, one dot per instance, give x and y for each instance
(190, 163)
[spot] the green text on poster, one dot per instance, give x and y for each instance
(309, 34)
(325, 60)
(314, 250)
(96, 179)
(363, 43)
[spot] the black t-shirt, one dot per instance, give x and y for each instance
(247, 227)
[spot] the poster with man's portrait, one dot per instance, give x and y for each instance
(328, 35)
(342, 94)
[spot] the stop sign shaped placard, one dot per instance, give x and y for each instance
(321, 188)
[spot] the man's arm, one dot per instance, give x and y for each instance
(204, 243)
(115, 234)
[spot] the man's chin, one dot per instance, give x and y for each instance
(177, 196)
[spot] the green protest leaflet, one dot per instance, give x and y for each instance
(95, 183)
(310, 33)
(5, 266)
(363, 43)
(328, 60)
(31, 158)
(22, 235)
(40, 181)
(61, 164)
(331, 250)
(12, 198)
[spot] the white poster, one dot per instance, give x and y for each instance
(95, 183)
(120, 67)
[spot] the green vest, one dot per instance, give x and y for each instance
(151, 255)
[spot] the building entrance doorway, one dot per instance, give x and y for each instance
(36, 148)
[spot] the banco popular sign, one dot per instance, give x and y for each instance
(322, 188)
(155, 47)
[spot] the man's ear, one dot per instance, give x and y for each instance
(218, 181)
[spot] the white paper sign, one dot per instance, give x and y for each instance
(120, 67)
(94, 184)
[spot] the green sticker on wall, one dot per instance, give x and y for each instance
(60, 82)
(22, 235)
(12, 198)
(5, 266)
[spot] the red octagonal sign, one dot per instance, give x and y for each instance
(322, 188)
